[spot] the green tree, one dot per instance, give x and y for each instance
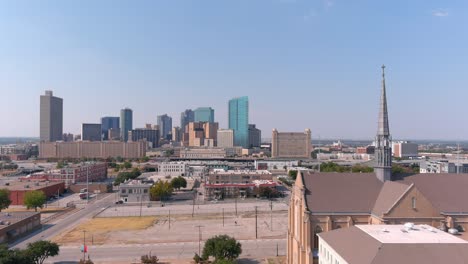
(40, 250)
(4, 199)
(179, 182)
(13, 256)
(145, 159)
(293, 174)
(148, 259)
(222, 247)
(127, 165)
(265, 192)
(161, 190)
(34, 199)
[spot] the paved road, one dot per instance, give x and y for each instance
(182, 250)
(70, 221)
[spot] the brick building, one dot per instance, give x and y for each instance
(19, 188)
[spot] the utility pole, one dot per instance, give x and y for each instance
(193, 207)
(271, 215)
(223, 217)
(141, 203)
(256, 231)
(87, 184)
(199, 238)
(169, 219)
(237, 194)
(84, 245)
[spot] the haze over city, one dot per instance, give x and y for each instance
(303, 64)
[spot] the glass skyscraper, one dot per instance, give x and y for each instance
(186, 117)
(126, 123)
(204, 114)
(239, 120)
(107, 123)
(165, 125)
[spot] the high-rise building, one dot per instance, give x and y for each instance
(291, 144)
(196, 134)
(126, 123)
(91, 132)
(404, 149)
(176, 134)
(204, 114)
(165, 125)
(255, 136)
(113, 134)
(211, 132)
(239, 120)
(107, 123)
(186, 117)
(51, 117)
(150, 135)
(225, 138)
(383, 147)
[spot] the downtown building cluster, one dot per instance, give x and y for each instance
(198, 136)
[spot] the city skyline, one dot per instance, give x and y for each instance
(291, 64)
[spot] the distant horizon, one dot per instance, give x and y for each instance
(303, 64)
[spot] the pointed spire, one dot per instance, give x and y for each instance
(383, 128)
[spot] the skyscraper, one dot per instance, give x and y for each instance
(204, 114)
(383, 147)
(51, 117)
(255, 136)
(126, 123)
(239, 120)
(186, 117)
(91, 132)
(165, 125)
(107, 123)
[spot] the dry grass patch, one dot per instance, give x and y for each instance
(98, 229)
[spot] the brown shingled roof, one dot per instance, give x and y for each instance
(341, 192)
(448, 192)
(388, 196)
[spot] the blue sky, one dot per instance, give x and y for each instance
(304, 64)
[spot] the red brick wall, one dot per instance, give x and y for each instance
(17, 196)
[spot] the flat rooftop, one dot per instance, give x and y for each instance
(398, 234)
(32, 185)
(11, 218)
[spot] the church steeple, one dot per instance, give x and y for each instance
(383, 149)
(383, 128)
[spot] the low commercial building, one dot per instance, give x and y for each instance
(443, 166)
(74, 173)
(134, 191)
(236, 183)
(291, 144)
(14, 225)
(408, 243)
(275, 164)
(19, 188)
(173, 169)
(203, 153)
(97, 149)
